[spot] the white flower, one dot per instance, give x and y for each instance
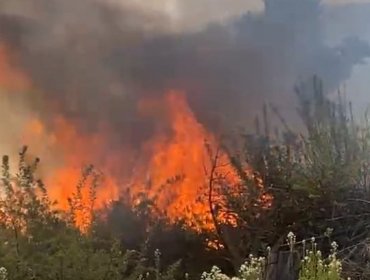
(334, 245)
(3, 273)
(291, 236)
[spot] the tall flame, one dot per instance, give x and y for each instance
(185, 156)
(175, 171)
(72, 152)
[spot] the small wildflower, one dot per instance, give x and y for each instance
(291, 239)
(157, 253)
(3, 273)
(268, 250)
(334, 246)
(314, 266)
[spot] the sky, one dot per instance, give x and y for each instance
(352, 20)
(195, 14)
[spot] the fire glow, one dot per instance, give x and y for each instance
(174, 174)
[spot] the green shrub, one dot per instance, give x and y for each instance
(314, 266)
(37, 242)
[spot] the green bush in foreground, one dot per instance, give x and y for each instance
(313, 266)
(37, 242)
(317, 180)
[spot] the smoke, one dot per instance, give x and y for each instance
(96, 59)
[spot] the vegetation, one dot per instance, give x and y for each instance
(318, 179)
(37, 242)
(313, 266)
(314, 182)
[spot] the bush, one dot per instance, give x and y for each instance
(305, 182)
(37, 242)
(313, 266)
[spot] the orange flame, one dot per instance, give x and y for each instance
(175, 171)
(180, 165)
(175, 176)
(74, 151)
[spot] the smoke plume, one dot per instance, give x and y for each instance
(94, 60)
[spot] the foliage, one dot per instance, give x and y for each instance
(305, 181)
(313, 266)
(37, 242)
(308, 182)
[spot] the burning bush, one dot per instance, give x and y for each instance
(38, 242)
(303, 184)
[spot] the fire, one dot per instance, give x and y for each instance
(180, 166)
(177, 161)
(72, 152)
(175, 173)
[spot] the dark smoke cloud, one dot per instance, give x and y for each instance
(96, 60)
(349, 20)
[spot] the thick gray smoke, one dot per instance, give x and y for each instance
(96, 60)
